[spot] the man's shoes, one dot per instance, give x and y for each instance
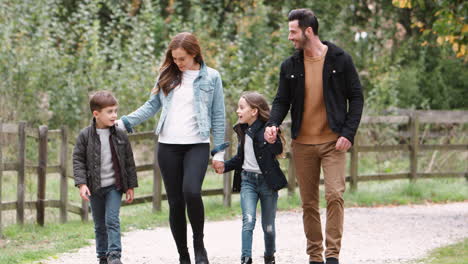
(269, 259)
(332, 261)
(246, 260)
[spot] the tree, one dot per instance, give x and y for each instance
(446, 19)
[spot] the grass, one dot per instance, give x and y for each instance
(32, 243)
(453, 254)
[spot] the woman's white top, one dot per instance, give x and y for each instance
(181, 126)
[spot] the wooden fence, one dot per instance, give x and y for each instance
(43, 134)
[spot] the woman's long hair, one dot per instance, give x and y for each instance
(170, 75)
(257, 101)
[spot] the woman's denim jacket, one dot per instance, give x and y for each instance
(209, 106)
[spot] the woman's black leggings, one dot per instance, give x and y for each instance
(183, 168)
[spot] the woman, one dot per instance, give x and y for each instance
(190, 95)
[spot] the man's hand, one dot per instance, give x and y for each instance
(129, 195)
(218, 166)
(343, 144)
(84, 192)
(270, 134)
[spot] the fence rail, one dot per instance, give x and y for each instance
(42, 135)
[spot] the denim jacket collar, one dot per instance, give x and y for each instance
(203, 70)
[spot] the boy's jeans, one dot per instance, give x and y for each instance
(105, 206)
(254, 187)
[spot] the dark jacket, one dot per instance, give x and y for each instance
(342, 93)
(87, 159)
(265, 154)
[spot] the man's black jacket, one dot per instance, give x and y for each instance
(342, 93)
(265, 154)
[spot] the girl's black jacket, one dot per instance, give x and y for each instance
(264, 152)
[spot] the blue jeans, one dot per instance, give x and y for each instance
(254, 187)
(105, 206)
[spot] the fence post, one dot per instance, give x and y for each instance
(291, 175)
(41, 174)
(63, 175)
(1, 175)
(227, 191)
(414, 121)
(354, 165)
(21, 172)
(157, 186)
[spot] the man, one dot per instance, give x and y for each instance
(320, 85)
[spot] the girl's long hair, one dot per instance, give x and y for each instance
(257, 101)
(170, 75)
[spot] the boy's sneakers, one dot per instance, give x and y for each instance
(102, 260)
(114, 261)
(114, 258)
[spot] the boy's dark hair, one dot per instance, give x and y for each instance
(306, 18)
(101, 99)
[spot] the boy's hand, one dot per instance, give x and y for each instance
(218, 166)
(84, 192)
(129, 195)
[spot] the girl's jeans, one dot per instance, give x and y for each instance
(253, 188)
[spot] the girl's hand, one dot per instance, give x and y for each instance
(343, 144)
(218, 166)
(84, 192)
(270, 134)
(129, 195)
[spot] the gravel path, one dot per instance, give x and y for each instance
(371, 235)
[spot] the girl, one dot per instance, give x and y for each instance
(257, 173)
(190, 95)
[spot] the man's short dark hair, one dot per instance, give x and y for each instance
(306, 18)
(101, 99)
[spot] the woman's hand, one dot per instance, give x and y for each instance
(120, 125)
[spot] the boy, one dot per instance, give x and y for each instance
(104, 168)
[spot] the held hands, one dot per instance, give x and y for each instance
(84, 192)
(343, 144)
(129, 195)
(218, 166)
(270, 134)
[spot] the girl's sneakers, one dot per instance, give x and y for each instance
(269, 259)
(246, 260)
